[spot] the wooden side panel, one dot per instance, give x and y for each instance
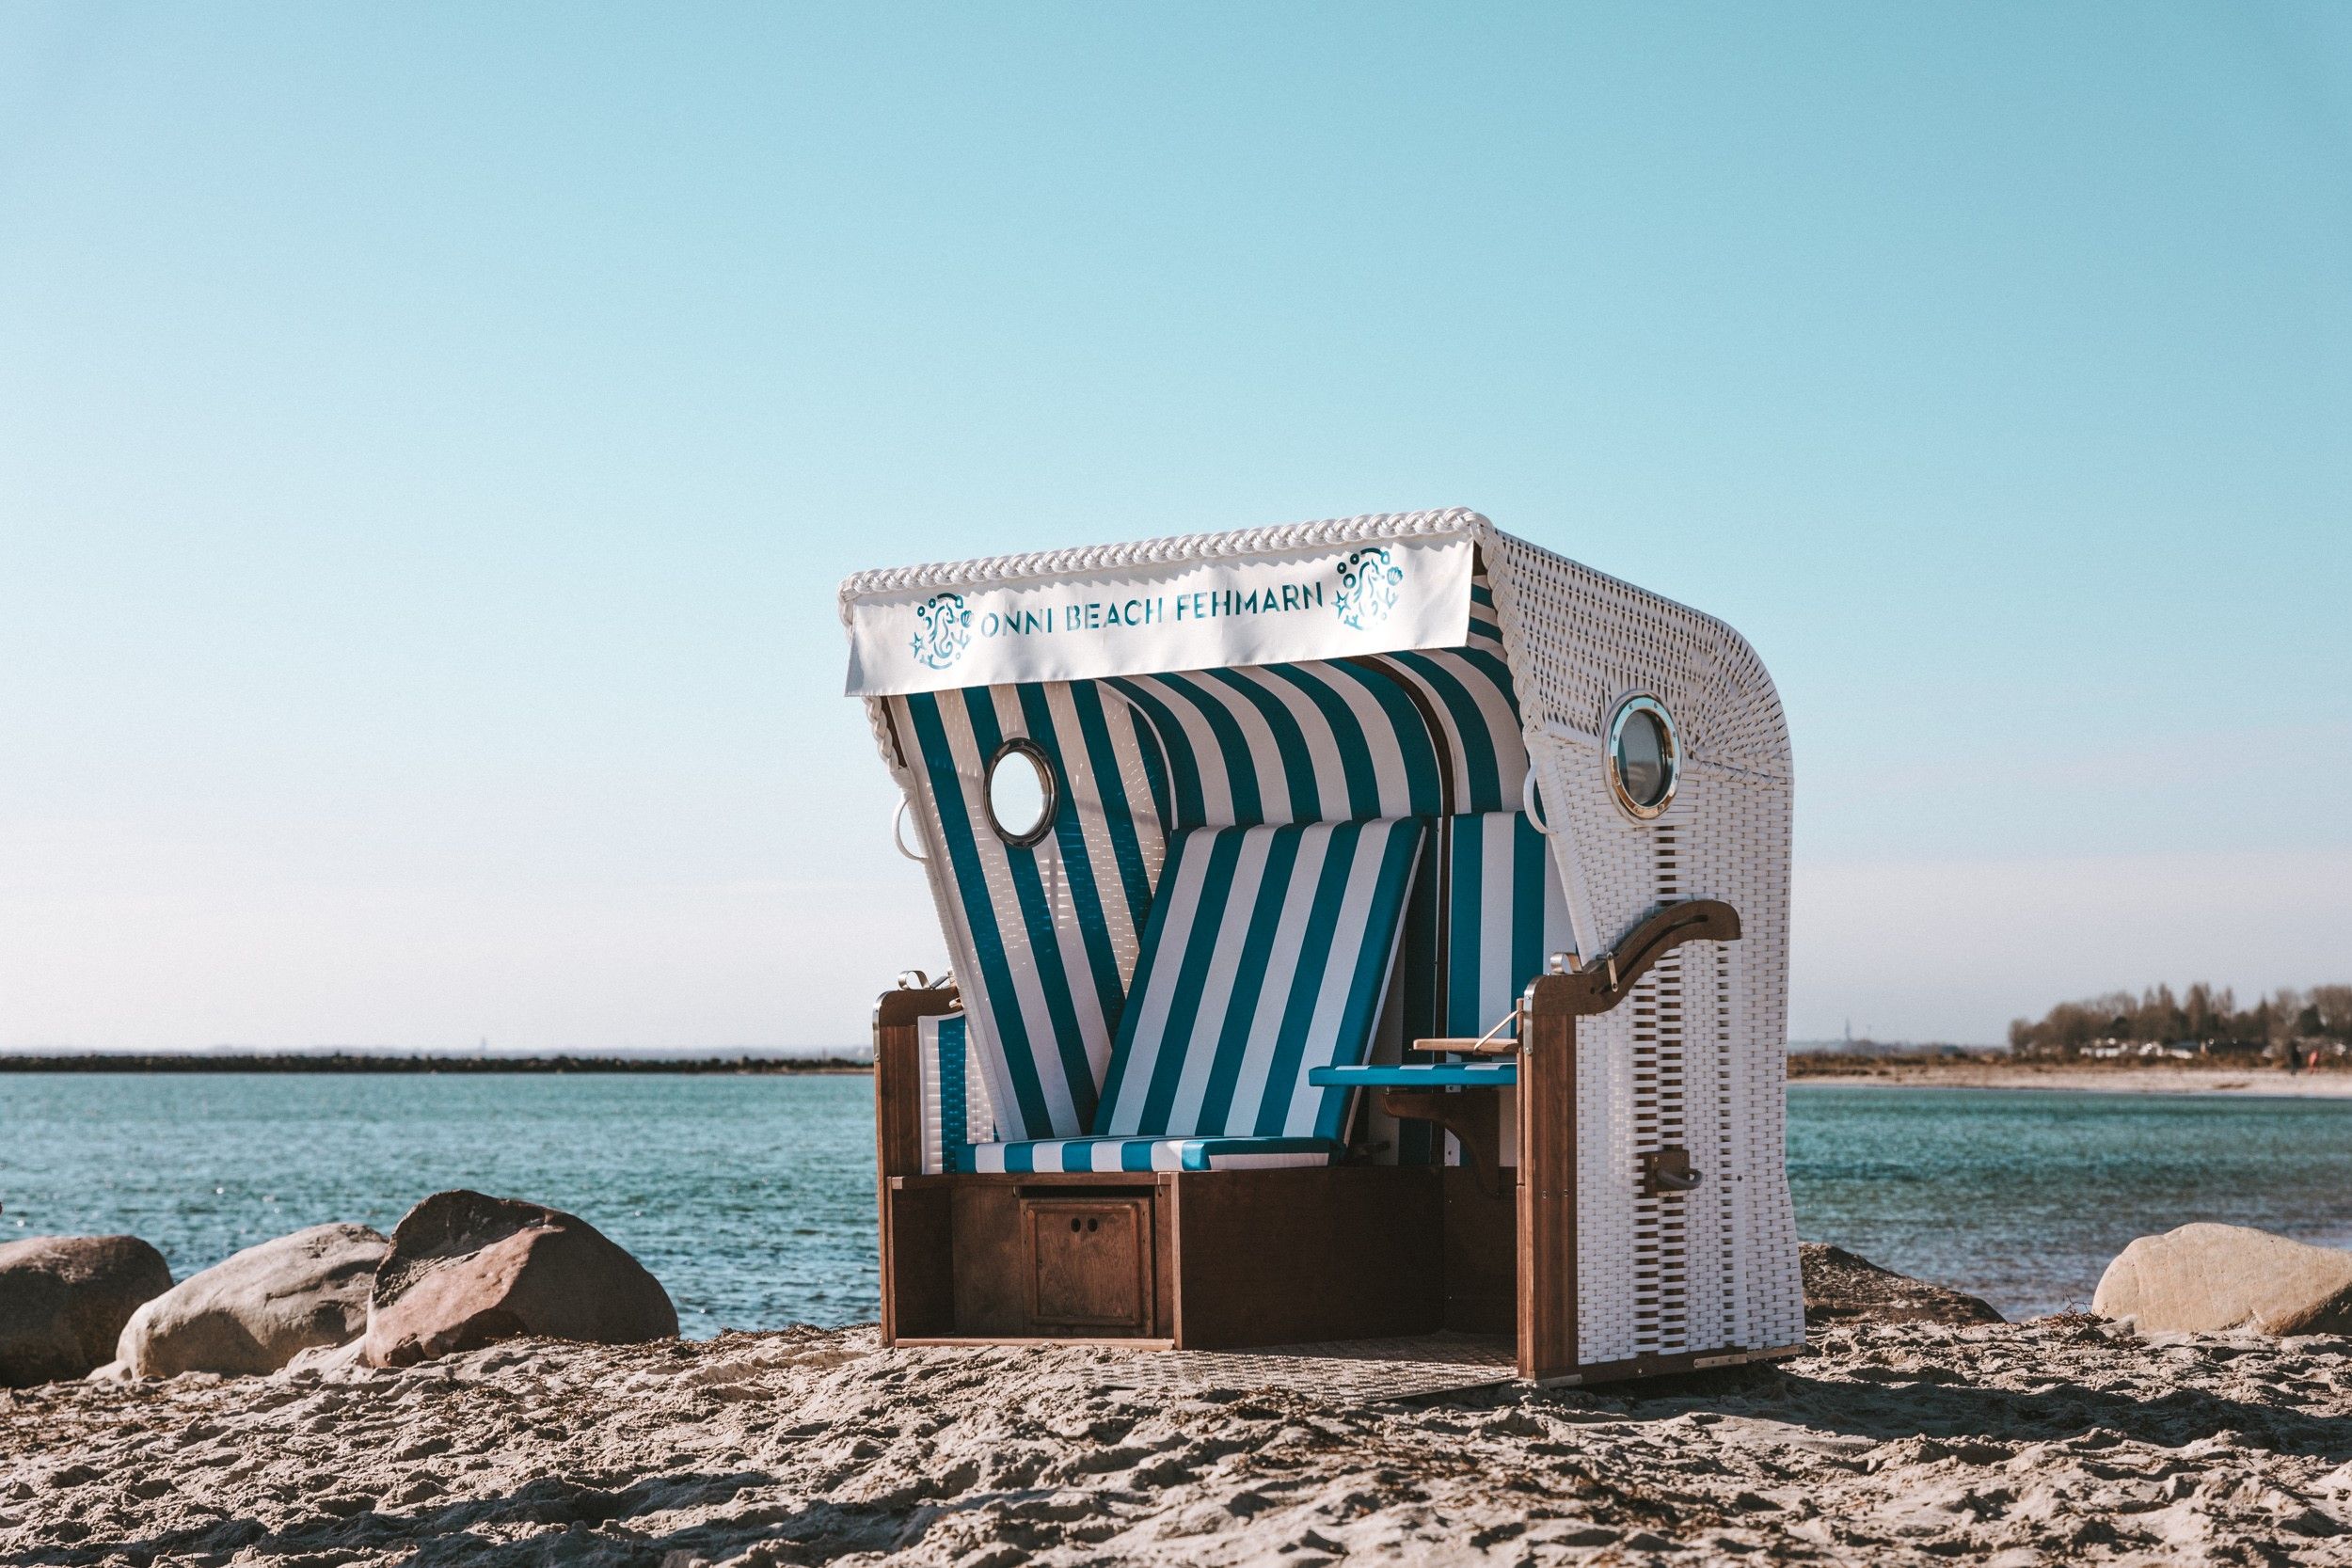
(1164, 1254)
(898, 1122)
(898, 1103)
(1481, 1253)
(1291, 1256)
(918, 1273)
(898, 1143)
(991, 1294)
(1547, 1196)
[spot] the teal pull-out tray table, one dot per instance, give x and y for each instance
(1437, 1075)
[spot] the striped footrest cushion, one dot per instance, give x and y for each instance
(1099, 1154)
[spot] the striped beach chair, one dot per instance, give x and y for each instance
(1309, 799)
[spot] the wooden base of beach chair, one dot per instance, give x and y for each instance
(1245, 1259)
(1198, 1259)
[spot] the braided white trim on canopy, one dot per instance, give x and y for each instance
(1177, 549)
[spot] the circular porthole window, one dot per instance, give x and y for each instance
(1021, 792)
(1645, 758)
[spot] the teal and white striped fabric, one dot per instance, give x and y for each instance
(954, 1093)
(1050, 930)
(1324, 742)
(1505, 914)
(1268, 955)
(1459, 972)
(1046, 938)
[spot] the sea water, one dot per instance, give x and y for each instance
(2023, 1197)
(751, 1197)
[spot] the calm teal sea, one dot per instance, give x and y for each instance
(752, 1198)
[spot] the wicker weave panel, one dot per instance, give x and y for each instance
(1695, 1057)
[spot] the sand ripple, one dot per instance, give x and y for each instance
(2059, 1440)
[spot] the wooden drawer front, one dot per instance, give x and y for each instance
(1089, 1263)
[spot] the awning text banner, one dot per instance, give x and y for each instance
(1372, 597)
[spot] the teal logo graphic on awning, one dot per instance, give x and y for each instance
(1367, 587)
(946, 623)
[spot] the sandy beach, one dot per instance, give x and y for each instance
(2169, 1078)
(2064, 1440)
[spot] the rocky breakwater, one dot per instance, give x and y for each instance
(64, 1299)
(2216, 1278)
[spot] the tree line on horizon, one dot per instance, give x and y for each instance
(2203, 1017)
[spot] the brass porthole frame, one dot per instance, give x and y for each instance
(1046, 776)
(1643, 703)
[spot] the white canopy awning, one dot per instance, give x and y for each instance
(1366, 597)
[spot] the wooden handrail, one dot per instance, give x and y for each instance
(1608, 979)
(906, 1004)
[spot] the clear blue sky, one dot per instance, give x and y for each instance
(430, 437)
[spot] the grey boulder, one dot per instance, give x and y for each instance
(1841, 1287)
(37, 1344)
(467, 1270)
(256, 1310)
(63, 1299)
(2207, 1278)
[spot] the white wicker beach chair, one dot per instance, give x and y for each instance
(1396, 942)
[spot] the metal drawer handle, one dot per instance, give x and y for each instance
(1667, 1171)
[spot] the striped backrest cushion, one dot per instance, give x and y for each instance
(1268, 954)
(1504, 914)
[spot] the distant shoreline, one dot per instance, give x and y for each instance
(2237, 1082)
(344, 1061)
(1842, 1071)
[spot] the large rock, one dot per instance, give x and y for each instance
(63, 1300)
(1842, 1288)
(37, 1344)
(467, 1270)
(256, 1310)
(2204, 1278)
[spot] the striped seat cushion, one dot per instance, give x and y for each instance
(1099, 1154)
(1268, 955)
